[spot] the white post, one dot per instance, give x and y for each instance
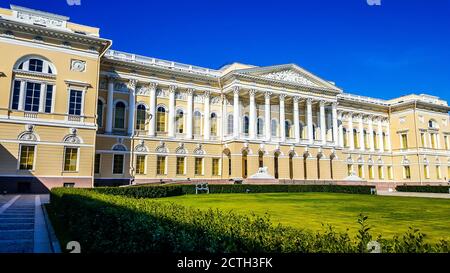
(380, 135)
(351, 136)
(131, 106)
(224, 116)
(171, 121)
(341, 132)
(323, 124)
(310, 121)
(335, 124)
(372, 143)
(207, 117)
(361, 133)
(296, 120)
(110, 104)
(267, 117)
(236, 113)
(189, 114)
(282, 119)
(152, 124)
(388, 136)
(252, 125)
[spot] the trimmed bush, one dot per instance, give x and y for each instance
(429, 189)
(158, 191)
(116, 224)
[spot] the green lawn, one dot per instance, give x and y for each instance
(387, 215)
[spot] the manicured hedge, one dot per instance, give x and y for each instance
(104, 223)
(157, 191)
(430, 189)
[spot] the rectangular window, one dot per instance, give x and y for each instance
(215, 166)
(390, 173)
(198, 166)
(118, 161)
(371, 173)
(140, 164)
(422, 139)
(426, 172)
(161, 165)
(380, 173)
(229, 165)
(180, 165)
(349, 170)
(27, 157)
(97, 163)
(404, 141)
(32, 97)
(70, 159)
(360, 171)
(406, 172)
(16, 96)
(438, 172)
(35, 65)
(69, 185)
(433, 141)
(75, 103)
(49, 99)
(447, 144)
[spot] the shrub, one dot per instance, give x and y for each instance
(116, 224)
(430, 189)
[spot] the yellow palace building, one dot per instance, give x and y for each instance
(73, 112)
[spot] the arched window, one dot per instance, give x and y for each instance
(230, 124)
(275, 164)
(197, 123)
(319, 157)
(302, 130)
(287, 129)
(35, 64)
(260, 127)
(315, 132)
(246, 124)
(305, 165)
(119, 116)
(100, 113)
(291, 165)
(261, 159)
(244, 164)
(179, 120)
(274, 127)
(161, 119)
(356, 139)
(366, 139)
(375, 142)
(141, 113)
(385, 141)
(213, 124)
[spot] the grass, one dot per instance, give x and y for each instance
(387, 215)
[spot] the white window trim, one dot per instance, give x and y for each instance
(145, 163)
(125, 116)
(34, 159)
(123, 164)
(78, 159)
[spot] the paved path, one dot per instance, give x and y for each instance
(22, 224)
(415, 194)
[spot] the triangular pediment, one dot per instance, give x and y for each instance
(290, 76)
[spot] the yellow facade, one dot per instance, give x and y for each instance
(67, 103)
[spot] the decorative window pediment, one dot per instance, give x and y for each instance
(141, 148)
(162, 149)
(119, 148)
(29, 134)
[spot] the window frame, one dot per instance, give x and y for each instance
(77, 160)
(20, 157)
(219, 167)
(82, 92)
(123, 164)
(99, 163)
(184, 165)
(144, 171)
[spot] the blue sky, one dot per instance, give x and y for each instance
(382, 51)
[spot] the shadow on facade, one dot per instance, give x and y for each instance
(22, 182)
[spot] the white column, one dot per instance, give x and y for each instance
(252, 125)
(388, 136)
(371, 142)
(323, 124)
(42, 98)
(267, 117)
(380, 135)
(21, 105)
(236, 114)
(207, 116)
(110, 105)
(296, 120)
(361, 133)
(351, 137)
(282, 119)
(152, 106)
(335, 124)
(224, 116)
(310, 120)
(341, 132)
(189, 114)
(172, 110)
(131, 106)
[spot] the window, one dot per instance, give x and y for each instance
(70, 159)
(48, 99)
(161, 165)
(97, 163)
(406, 172)
(75, 103)
(198, 166)
(375, 142)
(291, 166)
(229, 164)
(349, 169)
(27, 157)
(100, 113)
(422, 139)
(69, 185)
(275, 165)
(16, 96)
(141, 114)
(426, 172)
(261, 159)
(246, 124)
(433, 141)
(214, 124)
(119, 116)
(404, 138)
(380, 173)
(302, 130)
(260, 127)
(390, 173)
(287, 129)
(230, 125)
(181, 165)
(385, 142)
(36, 65)
(179, 120)
(118, 162)
(140, 164)
(371, 172)
(356, 139)
(438, 172)
(215, 166)
(345, 138)
(432, 124)
(366, 139)
(447, 143)
(361, 171)
(161, 119)
(274, 128)
(32, 97)
(197, 123)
